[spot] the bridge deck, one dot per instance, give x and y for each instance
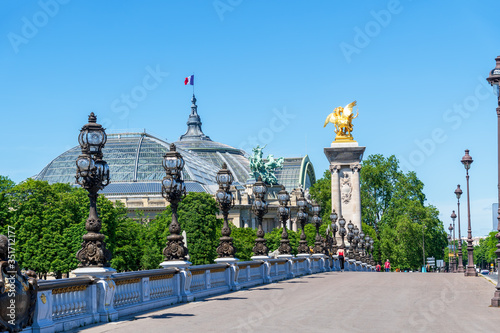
(340, 302)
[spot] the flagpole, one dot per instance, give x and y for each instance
(193, 83)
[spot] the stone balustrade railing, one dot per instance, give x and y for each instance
(67, 304)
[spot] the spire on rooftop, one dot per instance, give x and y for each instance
(194, 132)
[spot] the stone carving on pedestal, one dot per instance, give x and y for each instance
(345, 188)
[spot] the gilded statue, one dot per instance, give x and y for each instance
(342, 118)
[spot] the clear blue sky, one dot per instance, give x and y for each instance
(416, 68)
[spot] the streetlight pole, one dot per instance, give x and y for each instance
(423, 247)
(453, 217)
(470, 271)
(458, 193)
(494, 80)
(93, 175)
(260, 209)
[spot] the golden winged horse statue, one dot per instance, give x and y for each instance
(342, 118)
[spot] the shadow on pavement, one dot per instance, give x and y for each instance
(169, 315)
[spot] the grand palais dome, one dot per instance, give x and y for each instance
(135, 162)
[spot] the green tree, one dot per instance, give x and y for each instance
(197, 217)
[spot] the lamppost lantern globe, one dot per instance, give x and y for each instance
(283, 197)
(467, 160)
(224, 178)
(259, 189)
(350, 226)
(342, 222)
(372, 241)
(362, 235)
(92, 136)
(173, 163)
(450, 227)
(458, 192)
(316, 208)
(356, 230)
(494, 78)
(453, 216)
(333, 216)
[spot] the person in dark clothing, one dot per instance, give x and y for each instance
(341, 259)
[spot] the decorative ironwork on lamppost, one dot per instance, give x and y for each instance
(470, 271)
(302, 217)
(356, 242)
(226, 201)
(350, 238)
(284, 214)
(371, 253)
(362, 246)
(451, 254)
(334, 229)
(260, 209)
(93, 175)
(494, 80)
(316, 209)
(453, 217)
(173, 190)
(458, 193)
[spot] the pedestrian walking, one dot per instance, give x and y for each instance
(340, 253)
(387, 266)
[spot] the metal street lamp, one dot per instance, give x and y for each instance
(494, 80)
(449, 258)
(316, 209)
(356, 242)
(173, 190)
(458, 193)
(93, 175)
(283, 215)
(350, 239)
(451, 253)
(302, 217)
(334, 228)
(260, 209)
(470, 271)
(226, 201)
(372, 248)
(362, 246)
(453, 217)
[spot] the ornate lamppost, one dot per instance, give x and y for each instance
(362, 246)
(284, 214)
(451, 254)
(260, 209)
(93, 175)
(334, 229)
(316, 209)
(173, 190)
(494, 80)
(371, 253)
(470, 271)
(350, 238)
(356, 242)
(226, 201)
(302, 217)
(458, 193)
(453, 217)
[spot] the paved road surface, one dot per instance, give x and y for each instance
(334, 302)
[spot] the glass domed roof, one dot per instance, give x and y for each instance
(132, 157)
(196, 142)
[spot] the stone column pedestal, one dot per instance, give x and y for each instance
(345, 159)
(185, 276)
(105, 290)
(307, 257)
(289, 264)
(234, 271)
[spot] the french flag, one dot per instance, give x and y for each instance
(189, 80)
